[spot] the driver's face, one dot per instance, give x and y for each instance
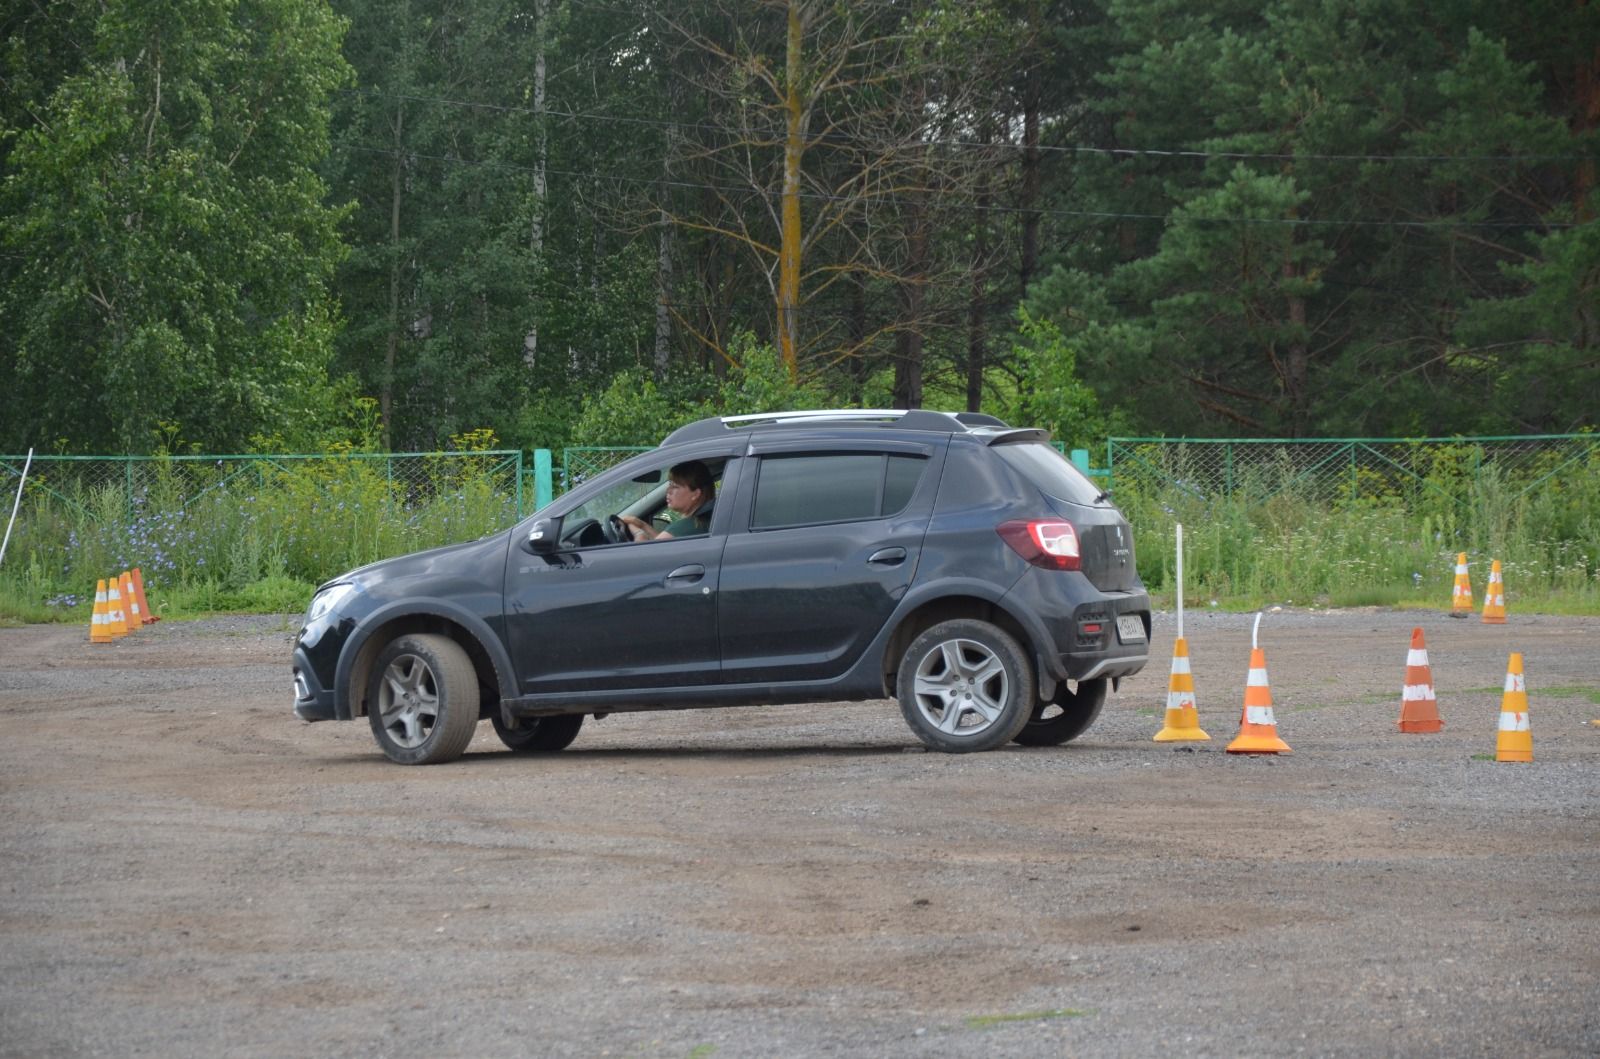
(682, 499)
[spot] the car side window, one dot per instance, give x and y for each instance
(803, 490)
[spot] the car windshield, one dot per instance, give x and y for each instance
(1052, 472)
(627, 497)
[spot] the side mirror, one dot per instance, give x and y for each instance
(544, 536)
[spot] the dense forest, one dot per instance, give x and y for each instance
(268, 225)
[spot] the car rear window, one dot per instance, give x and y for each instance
(836, 487)
(1052, 472)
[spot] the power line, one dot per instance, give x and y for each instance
(1103, 215)
(1123, 152)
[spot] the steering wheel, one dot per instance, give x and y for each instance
(617, 531)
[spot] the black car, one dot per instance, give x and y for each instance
(949, 561)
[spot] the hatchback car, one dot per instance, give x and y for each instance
(945, 560)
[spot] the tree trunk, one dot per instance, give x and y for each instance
(1031, 103)
(977, 306)
(1586, 115)
(788, 298)
(391, 348)
(663, 348)
(541, 154)
(909, 343)
(1297, 365)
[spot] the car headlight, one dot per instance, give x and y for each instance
(327, 600)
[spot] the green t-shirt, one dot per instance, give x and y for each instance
(695, 525)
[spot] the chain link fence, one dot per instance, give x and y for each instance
(578, 465)
(1417, 474)
(238, 519)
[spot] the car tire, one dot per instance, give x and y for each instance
(965, 685)
(1066, 716)
(539, 735)
(422, 701)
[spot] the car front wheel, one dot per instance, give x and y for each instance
(965, 685)
(1065, 717)
(423, 700)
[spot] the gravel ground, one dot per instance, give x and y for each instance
(191, 871)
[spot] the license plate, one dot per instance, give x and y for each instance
(1130, 628)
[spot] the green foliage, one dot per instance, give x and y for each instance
(1049, 393)
(635, 410)
(167, 248)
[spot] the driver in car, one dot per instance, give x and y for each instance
(690, 493)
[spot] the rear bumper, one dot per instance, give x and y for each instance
(1074, 625)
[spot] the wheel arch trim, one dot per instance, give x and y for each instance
(365, 642)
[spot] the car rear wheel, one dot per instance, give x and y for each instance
(423, 700)
(965, 685)
(1065, 717)
(539, 735)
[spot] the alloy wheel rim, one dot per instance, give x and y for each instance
(961, 687)
(408, 701)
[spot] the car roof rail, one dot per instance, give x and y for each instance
(900, 418)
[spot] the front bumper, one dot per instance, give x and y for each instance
(312, 702)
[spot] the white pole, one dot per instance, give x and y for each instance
(1180, 580)
(16, 504)
(1254, 629)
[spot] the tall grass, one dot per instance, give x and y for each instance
(255, 541)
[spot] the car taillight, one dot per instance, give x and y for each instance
(1051, 543)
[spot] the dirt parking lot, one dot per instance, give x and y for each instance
(191, 871)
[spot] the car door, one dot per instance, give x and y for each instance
(828, 541)
(608, 617)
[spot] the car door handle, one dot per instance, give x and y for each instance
(887, 557)
(687, 574)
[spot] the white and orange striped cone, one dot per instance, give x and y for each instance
(1183, 720)
(1419, 707)
(98, 632)
(1514, 742)
(130, 602)
(1258, 729)
(144, 602)
(1461, 595)
(1494, 597)
(116, 621)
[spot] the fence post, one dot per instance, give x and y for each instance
(543, 490)
(1080, 460)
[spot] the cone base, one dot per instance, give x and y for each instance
(1422, 724)
(1525, 756)
(1259, 744)
(1493, 621)
(1180, 734)
(1461, 613)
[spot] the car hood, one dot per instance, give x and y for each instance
(448, 560)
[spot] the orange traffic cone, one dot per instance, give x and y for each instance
(1494, 597)
(1461, 597)
(1183, 721)
(116, 621)
(130, 601)
(1515, 739)
(1258, 730)
(1419, 709)
(98, 632)
(144, 603)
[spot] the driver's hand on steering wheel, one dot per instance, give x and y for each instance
(641, 530)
